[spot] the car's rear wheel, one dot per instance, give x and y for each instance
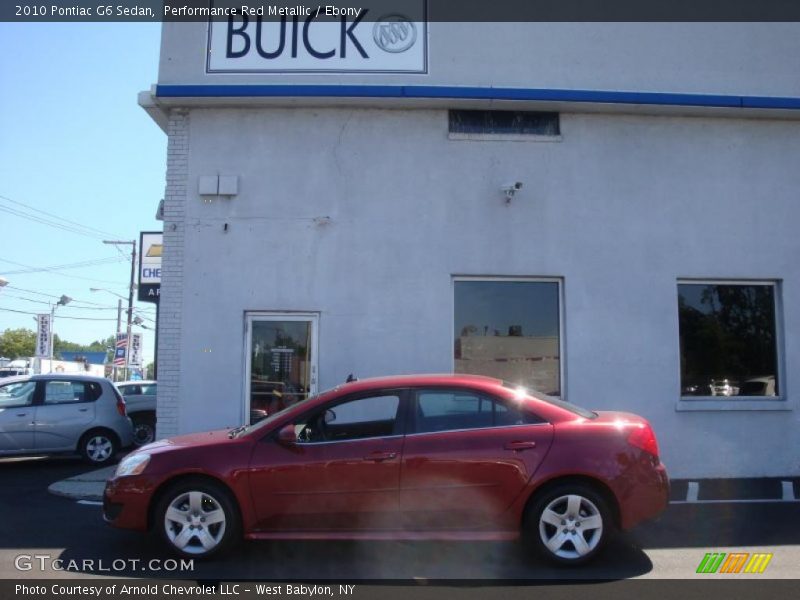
(144, 429)
(568, 524)
(197, 518)
(98, 447)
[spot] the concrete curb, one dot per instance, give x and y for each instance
(721, 491)
(87, 486)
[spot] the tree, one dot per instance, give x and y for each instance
(17, 343)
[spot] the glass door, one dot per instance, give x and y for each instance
(281, 367)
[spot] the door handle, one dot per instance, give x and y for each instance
(83, 410)
(380, 456)
(520, 445)
(22, 414)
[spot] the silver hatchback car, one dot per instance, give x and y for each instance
(63, 414)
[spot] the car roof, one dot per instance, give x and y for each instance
(432, 379)
(81, 376)
(14, 379)
(137, 382)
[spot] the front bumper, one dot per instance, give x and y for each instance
(126, 502)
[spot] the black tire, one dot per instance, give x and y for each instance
(199, 499)
(144, 429)
(569, 533)
(98, 447)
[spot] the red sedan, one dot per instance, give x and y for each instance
(454, 457)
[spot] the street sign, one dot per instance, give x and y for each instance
(43, 336)
(136, 350)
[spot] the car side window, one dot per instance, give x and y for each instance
(68, 392)
(149, 390)
(374, 416)
(131, 390)
(448, 410)
(17, 394)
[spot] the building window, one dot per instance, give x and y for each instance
(509, 329)
(728, 339)
(504, 124)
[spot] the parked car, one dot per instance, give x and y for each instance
(63, 414)
(480, 460)
(759, 386)
(140, 398)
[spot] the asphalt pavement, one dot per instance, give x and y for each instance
(39, 524)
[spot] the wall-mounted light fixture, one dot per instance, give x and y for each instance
(510, 190)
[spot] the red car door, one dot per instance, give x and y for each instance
(466, 459)
(343, 472)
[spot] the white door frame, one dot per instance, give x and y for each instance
(249, 318)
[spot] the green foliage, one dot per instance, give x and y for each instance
(17, 343)
(21, 343)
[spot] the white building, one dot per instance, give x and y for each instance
(327, 216)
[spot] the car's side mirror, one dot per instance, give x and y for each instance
(287, 435)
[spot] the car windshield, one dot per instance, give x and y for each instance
(266, 421)
(582, 412)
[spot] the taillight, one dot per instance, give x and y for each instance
(642, 437)
(121, 405)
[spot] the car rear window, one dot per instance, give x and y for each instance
(580, 411)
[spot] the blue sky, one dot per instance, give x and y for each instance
(75, 144)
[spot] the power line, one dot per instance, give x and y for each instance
(65, 224)
(72, 276)
(78, 265)
(25, 312)
(12, 287)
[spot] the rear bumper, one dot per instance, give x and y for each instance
(126, 502)
(124, 430)
(647, 499)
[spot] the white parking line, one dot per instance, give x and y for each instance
(693, 491)
(90, 502)
(788, 490)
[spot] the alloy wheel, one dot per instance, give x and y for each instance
(99, 448)
(571, 526)
(195, 522)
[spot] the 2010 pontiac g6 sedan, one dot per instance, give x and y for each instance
(453, 457)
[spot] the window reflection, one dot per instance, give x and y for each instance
(279, 359)
(728, 339)
(509, 330)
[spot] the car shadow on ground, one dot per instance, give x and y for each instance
(681, 526)
(416, 562)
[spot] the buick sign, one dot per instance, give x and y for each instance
(394, 33)
(350, 43)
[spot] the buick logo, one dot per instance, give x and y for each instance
(394, 33)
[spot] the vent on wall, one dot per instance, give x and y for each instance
(498, 123)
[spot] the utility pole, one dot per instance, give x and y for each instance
(130, 299)
(116, 332)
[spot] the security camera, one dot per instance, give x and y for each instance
(510, 189)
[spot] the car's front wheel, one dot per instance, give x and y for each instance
(568, 524)
(144, 429)
(197, 518)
